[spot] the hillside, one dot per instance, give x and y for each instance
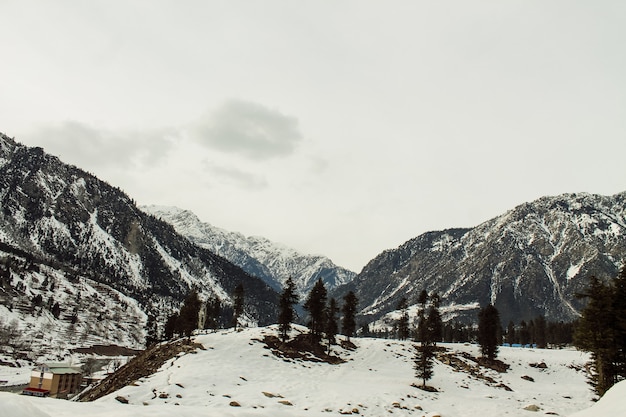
(270, 261)
(67, 237)
(530, 261)
(233, 374)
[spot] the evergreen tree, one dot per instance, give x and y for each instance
(151, 331)
(331, 327)
(540, 332)
(403, 321)
(171, 326)
(429, 332)
(315, 304)
(348, 323)
(510, 333)
(424, 362)
(422, 327)
(488, 325)
(188, 316)
(600, 330)
(524, 333)
(238, 301)
(37, 300)
(619, 307)
(434, 321)
(532, 333)
(56, 310)
(286, 315)
(212, 309)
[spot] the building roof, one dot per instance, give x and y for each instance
(58, 368)
(32, 389)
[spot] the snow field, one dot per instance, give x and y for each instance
(375, 381)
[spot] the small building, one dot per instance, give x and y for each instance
(54, 379)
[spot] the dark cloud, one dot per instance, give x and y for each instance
(249, 129)
(92, 148)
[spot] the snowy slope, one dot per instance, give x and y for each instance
(376, 380)
(530, 261)
(270, 261)
(65, 220)
(613, 403)
(90, 312)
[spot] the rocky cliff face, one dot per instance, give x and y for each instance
(529, 261)
(57, 214)
(272, 262)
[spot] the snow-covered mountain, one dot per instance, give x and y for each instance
(234, 374)
(529, 261)
(270, 261)
(61, 224)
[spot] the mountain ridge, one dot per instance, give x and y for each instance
(542, 250)
(259, 256)
(89, 231)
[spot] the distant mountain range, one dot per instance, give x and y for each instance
(67, 237)
(530, 261)
(270, 261)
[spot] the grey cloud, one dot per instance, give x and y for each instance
(91, 148)
(249, 129)
(237, 177)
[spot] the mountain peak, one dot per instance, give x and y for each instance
(273, 262)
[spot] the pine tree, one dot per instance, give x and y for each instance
(348, 323)
(532, 333)
(422, 327)
(488, 325)
(151, 331)
(188, 316)
(601, 330)
(56, 310)
(331, 328)
(403, 320)
(286, 315)
(238, 301)
(424, 362)
(212, 310)
(315, 304)
(619, 307)
(540, 332)
(171, 326)
(429, 332)
(524, 333)
(434, 322)
(510, 333)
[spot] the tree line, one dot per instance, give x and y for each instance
(324, 318)
(323, 313)
(601, 330)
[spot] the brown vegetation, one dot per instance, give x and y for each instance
(304, 347)
(143, 365)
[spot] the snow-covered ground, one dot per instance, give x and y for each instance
(14, 375)
(375, 381)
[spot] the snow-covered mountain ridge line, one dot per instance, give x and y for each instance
(270, 261)
(90, 230)
(530, 261)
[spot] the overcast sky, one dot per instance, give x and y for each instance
(340, 128)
